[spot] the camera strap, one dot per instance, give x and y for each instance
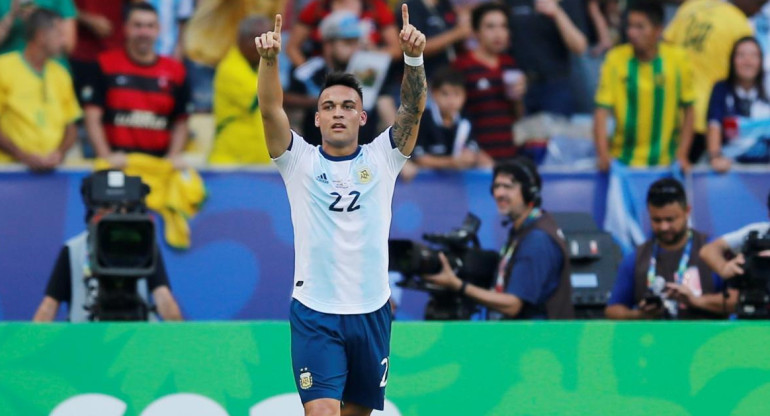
(507, 252)
(683, 261)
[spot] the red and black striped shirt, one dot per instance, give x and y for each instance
(487, 106)
(141, 102)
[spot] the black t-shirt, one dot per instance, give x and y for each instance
(307, 79)
(60, 283)
(537, 44)
(438, 140)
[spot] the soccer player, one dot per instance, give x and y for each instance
(340, 195)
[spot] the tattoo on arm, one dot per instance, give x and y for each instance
(414, 91)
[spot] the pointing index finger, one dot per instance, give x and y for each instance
(278, 23)
(405, 14)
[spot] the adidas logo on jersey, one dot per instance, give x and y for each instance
(322, 178)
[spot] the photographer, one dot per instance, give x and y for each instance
(665, 277)
(732, 243)
(72, 282)
(532, 281)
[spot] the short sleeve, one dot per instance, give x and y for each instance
(385, 147)
(95, 93)
(287, 162)
(605, 92)
(69, 103)
(736, 239)
(536, 268)
(60, 282)
(181, 99)
(716, 110)
(623, 290)
(687, 86)
(160, 277)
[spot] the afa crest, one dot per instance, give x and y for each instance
(305, 379)
(364, 175)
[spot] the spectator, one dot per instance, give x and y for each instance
(708, 29)
(445, 28)
(70, 281)
(725, 254)
(645, 84)
(139, 99)
(742, 94)
(16, 13)
(545, 33)
(240, 137)
(340, 32)
(38, 107)
(444, 140)
(532, 279)
(668, 268)
(173, 16)
(99, 29)
(377, 19)
(495, 87)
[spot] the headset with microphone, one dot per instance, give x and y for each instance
(525, 175)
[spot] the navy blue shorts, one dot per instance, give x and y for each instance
(342, 357)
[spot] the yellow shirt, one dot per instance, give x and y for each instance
(240, 137)
(35, 108)
(645, 98)
(708, 29)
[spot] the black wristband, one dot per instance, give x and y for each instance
(462, 288)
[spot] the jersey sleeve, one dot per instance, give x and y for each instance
(623, 290)
(288, 161)
(59, 284)
(716, 110)
(687, 85)
(605, 93)
(386, 148)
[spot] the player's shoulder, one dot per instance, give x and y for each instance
(620, 54)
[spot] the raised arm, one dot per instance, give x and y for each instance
(270, 93)
(414, 87)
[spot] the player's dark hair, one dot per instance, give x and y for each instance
(666, 191)
(40, 19)
(653, 9)
(478, 13)
(140, 6)
(447, 76)
(342, 78)
(759, 80)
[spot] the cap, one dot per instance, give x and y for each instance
(341, 24)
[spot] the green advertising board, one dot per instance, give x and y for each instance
(244, 368)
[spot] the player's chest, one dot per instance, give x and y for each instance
(342, 185)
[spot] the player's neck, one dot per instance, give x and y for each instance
(35, 56)
(518, 222)
(647, 54)
(140, 58)
(336, 151)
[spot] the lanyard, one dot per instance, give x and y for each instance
(507, 252)
(651, 272)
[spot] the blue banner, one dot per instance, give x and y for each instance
(240, 265)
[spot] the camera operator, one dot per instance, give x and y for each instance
(70, 280)
(665, 277)
(732, 244)
(532, 281)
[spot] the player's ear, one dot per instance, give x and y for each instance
(364, 117)
(317, 119)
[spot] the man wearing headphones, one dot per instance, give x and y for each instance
(532, 280)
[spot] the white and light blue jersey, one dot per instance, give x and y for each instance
(341, 212)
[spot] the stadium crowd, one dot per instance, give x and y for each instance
(663, 83)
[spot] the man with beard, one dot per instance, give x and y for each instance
(666, 277)
(138, 100)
